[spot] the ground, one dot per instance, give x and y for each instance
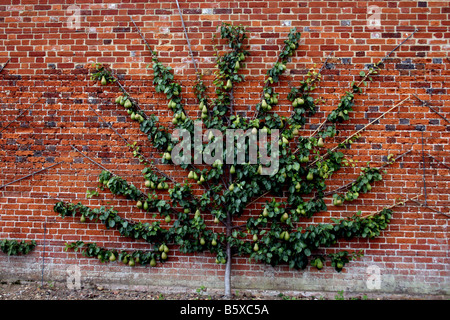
(59, 291)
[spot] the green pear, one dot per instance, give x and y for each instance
(320, 142)
(319, 264)
(229, 85)
(127, 104)
(264, 105)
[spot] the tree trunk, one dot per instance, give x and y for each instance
(228, 264)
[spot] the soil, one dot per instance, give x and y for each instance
(59, 291)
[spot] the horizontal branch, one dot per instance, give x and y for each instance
(30, 175)
(351, 183)
(400, 203)
(357, 132)
(20, 114)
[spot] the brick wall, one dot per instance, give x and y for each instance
(50, 60)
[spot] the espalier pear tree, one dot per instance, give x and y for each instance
(205, 221)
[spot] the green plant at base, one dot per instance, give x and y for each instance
(13, 247)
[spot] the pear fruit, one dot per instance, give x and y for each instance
(112, 257)
(310, 176)
(264, 105)
(83, 218)
(127, 104)
(164, 256)
(259, 170)
(319, 264)
(229, 85)
(152, 262)
(232, 169)
(320, 142)
(167, 219)
(139, 204)
(104, 82)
